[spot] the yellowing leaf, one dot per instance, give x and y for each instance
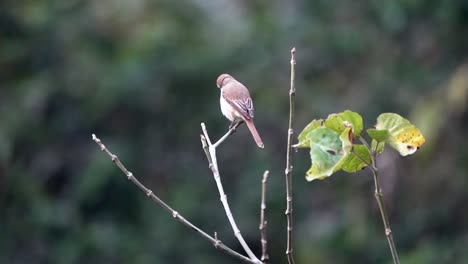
(404, 137)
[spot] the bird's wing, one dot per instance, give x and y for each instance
(239, 99)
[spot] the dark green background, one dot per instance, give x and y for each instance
(141, 75)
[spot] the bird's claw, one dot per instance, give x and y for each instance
(234, 124)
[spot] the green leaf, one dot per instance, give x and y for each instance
(353, 163)
(378, 135)
(327, 152)
(380, 147)
(404, 137)
(303, 140)
(339, 122)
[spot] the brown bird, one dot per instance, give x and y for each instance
(237, 105)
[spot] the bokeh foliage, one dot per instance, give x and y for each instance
(141, 75)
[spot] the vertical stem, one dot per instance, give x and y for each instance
(289, 167)
(263, 221)
(383, 212)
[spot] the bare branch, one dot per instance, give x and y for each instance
(289, 160)
(230, 131)
(215, 241)
(210, 151)
(263, 221)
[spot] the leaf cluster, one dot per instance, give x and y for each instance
(333, 147)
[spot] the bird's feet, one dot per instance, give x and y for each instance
(234, 124)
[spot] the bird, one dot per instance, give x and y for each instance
(236, 104)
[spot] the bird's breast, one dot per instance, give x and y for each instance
(227, 109)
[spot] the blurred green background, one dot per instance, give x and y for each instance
(141, 75)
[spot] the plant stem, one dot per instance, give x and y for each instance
(363, 141)
(380, 200)
(289, 160)
(210, 151)
(383, 212)
(215, 241)
(263, 221)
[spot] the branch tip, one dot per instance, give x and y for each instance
(263, 222)
(265, 176)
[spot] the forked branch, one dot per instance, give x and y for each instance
(210, 151)
(214, 240)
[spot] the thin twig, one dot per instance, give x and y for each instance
(383, 212)
(214, 240)
(230, 131)
(375, 149)
(263, 221)
(363, 141)
(372, 153)
(289, 160)
(210, 151)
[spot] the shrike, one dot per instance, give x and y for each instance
(236, 104)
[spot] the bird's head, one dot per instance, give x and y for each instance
(223, 79)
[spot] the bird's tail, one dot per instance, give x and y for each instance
(254, 132)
